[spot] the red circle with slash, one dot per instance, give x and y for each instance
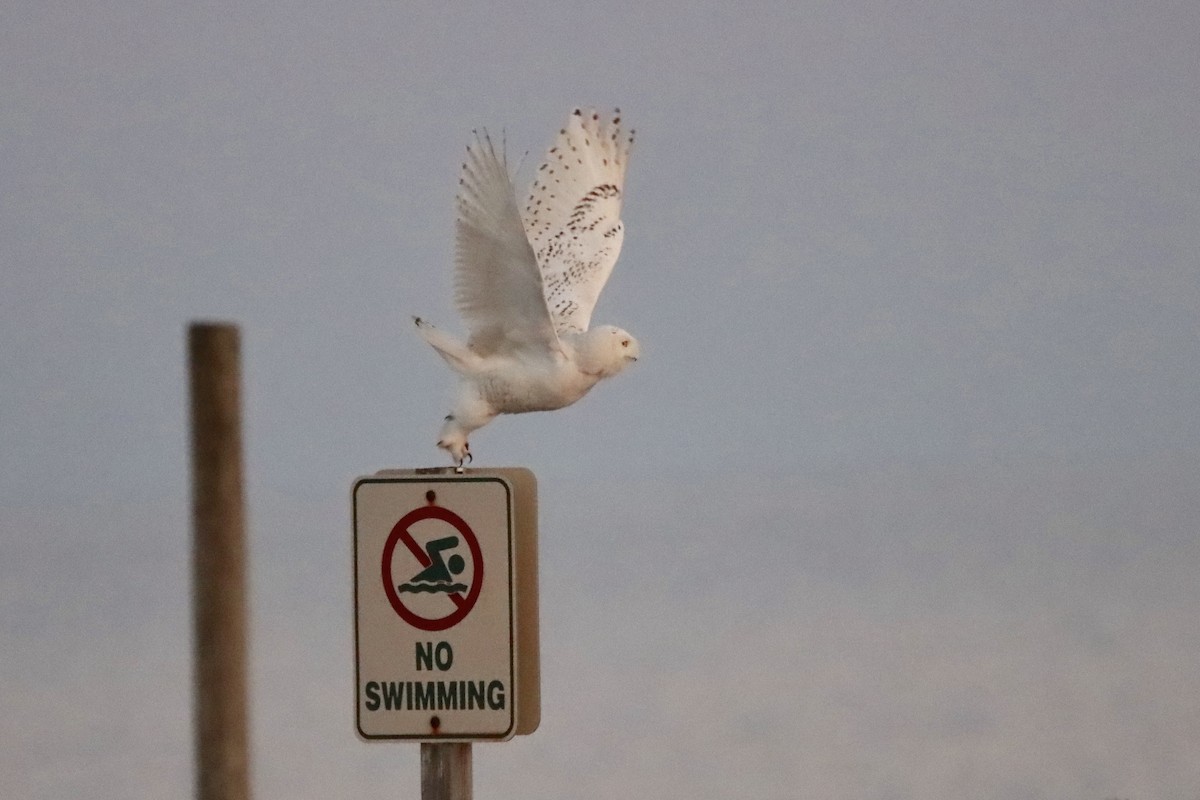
(400, 533)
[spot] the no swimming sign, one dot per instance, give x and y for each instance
(446, 622)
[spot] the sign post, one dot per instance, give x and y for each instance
(222, 750)
(446, 613)
(446, 771)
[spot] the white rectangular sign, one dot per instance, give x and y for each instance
(446, 604)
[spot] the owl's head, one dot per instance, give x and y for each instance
(606, 350)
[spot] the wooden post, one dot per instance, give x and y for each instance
(445, 771)
(218, 565)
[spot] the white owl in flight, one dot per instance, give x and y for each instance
(526, 281)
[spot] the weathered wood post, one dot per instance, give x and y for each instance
(445, 771)
(218, 565)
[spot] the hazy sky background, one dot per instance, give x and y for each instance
(900, 502)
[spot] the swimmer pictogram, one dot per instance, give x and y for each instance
(449, 574)
(437, 576)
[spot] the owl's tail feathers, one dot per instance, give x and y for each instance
(457, 355)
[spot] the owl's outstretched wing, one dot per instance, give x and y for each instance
(573, 215)
(497, 283)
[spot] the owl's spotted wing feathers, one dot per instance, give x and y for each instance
(573, 215)
(497, 283)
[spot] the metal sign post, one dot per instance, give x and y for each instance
(446, 614)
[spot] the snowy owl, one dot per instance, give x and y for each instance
(526, 281)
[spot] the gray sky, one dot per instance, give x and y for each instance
(899, 503)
